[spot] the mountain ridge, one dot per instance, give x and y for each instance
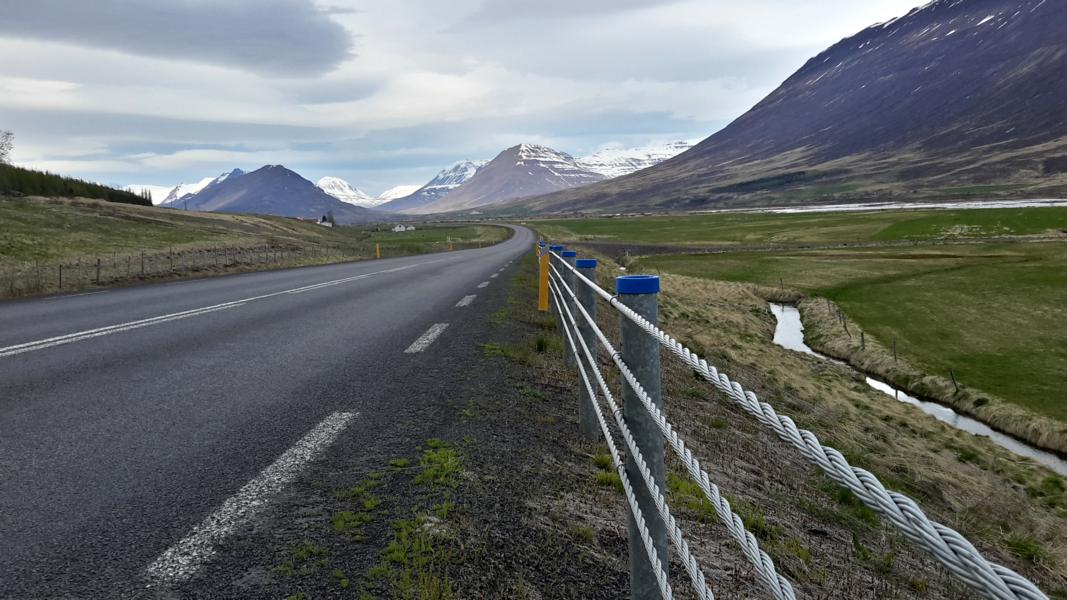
(952, 100)
(520, 171)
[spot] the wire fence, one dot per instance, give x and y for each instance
(653, 518)
(81, 273)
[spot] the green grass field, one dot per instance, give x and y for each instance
(770, 228)
(60, 230)
(996, 314)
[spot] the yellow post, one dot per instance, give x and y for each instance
(542, 290)
(377, 250)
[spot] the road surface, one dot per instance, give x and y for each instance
(139, 425)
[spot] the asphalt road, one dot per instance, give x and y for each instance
(118, 442)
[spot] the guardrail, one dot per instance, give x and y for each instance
(569, 284)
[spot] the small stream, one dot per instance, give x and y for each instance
(789, 334)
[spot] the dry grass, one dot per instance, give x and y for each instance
(820, 537)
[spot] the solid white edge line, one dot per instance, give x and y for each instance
(427, 338)
(466, 300)
(182, 560)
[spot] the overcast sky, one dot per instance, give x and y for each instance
(139, 92)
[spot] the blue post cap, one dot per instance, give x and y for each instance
(569, 254)
(585, 263)
(637, 284)
(555, 248)
(541, 243)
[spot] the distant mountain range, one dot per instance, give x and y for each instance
(272, 190)
(955, 99)
(520, 171)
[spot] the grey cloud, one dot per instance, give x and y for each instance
(282, 37)
(499, 10)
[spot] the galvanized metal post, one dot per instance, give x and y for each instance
(554, 262)
(587, 422)
(542, 278)
(569, 257)
(640, 352)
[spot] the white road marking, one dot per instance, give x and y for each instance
(427, 338)
(120, 327)
(493, 276)
(76, 295)
(466, 300)
(483, 284)
(183, 559)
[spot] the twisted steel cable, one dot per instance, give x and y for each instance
(692, 567)
(631, 499)
(778, 585)
(947, 545)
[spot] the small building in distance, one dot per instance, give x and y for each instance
(325, 221)
(401, 228)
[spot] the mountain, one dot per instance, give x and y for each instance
(959, 98)
(443, 183)
(399, 191)
(274, 190)
(346, 192)
(616, 162)
(519, 171)
(186, 189)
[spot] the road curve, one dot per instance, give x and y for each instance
(130, 416)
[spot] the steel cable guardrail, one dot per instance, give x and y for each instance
(990, 579)
(778, 585)
(696, 574)
(631, 499)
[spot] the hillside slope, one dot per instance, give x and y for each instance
(274, 190)
(435, 189)
(518, 172)
(955, 99)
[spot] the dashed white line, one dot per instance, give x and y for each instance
(120, 327)
(493, 276)
(466, 300)
(483, 284)
(427, 338)
(183, 559)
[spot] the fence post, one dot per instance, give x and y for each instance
(640, 352)
(587, 421)
(97, 270)
(377, 250)
(60, 275)
(569, 257)
(556, 249)
(542, 285)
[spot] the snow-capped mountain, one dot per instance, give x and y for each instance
(519, 171)
(399, 191)
(346, 192)
(443, 183)
(616, 162)
(187, 189)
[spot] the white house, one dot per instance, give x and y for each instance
(401, 228)
(325, 222)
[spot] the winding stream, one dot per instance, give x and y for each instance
(789, 334)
